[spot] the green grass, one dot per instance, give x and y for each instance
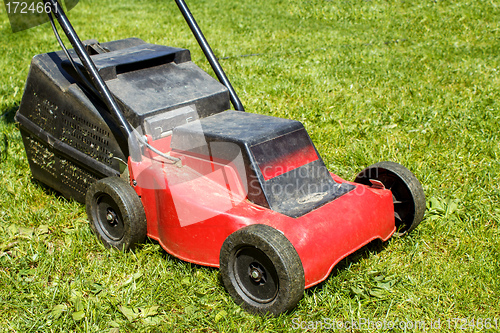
(415, 82)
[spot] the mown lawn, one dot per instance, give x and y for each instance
(415, 82)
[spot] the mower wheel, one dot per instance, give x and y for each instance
(261, 270)
(407, 193)
(116, 213)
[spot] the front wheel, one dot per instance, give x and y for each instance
(407, 193)
(261, 270)
(115, 213)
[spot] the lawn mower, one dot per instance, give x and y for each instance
(149, 142)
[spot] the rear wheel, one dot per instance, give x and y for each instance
(115, 213)
(407, 193)
(261, 270)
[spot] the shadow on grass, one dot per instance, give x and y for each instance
(49, 191)
(4, 147)
(8, 114)
(7, 117)
(176, 260)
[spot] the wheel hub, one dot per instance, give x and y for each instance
(108, 217)
(256, 274)
(111, 216)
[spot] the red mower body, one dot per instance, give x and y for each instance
(192, 208)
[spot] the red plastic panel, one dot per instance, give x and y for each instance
(284, 153)
(289, 162)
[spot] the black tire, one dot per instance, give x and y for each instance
(407, 193)
(115, 213)
(261, 270)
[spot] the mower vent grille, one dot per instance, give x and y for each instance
(41, 156)
(75, 177)
(44, 114)
(77, 131)
(56, 169)
(86, 137)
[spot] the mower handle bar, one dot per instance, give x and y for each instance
(102, 88)
(209, 54)
(96, 78)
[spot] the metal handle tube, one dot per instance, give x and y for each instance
(96, 78)
(209, 54)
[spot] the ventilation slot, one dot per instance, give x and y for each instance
(86, 137)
